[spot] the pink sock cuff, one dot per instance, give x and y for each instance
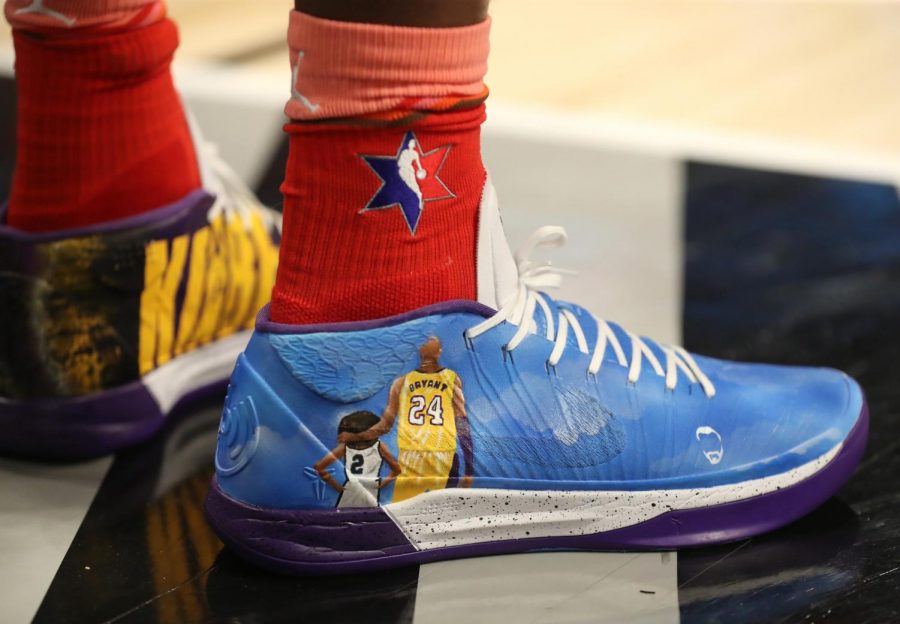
(77, 15)
(345, 69)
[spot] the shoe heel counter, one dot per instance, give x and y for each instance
(266, 453)
(88, 311)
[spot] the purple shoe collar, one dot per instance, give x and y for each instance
(158, 217)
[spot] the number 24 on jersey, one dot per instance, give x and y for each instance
(418, 411)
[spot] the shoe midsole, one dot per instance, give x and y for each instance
(195, 369)
(458, 517)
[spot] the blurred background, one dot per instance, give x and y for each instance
(606, 100)
(826, 72)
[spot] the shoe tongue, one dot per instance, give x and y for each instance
(496, 269)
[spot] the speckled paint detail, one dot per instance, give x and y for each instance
(445, 518)
(345, 541)
(351, 367)
(469, 443)
(531, 428)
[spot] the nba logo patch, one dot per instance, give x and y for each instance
(409, 179)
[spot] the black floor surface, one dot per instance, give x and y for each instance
(800, 270)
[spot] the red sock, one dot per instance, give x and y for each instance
(384, 177)
(101, 130)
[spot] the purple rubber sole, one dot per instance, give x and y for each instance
(319, 542)
(89, 426)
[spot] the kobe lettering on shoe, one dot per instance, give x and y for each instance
(106, 328)
(513, 423)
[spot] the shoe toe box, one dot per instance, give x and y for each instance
(780, 417)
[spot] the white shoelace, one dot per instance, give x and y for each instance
(232, 197)
(520, 308)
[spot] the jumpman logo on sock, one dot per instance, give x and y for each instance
(295, 91)
(37, 6)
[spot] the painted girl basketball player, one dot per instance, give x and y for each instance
(362, 464)
(429, 405)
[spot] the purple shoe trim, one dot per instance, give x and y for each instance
(162, 219)
(87, 426)
(345, 541)
(317, 538)
(455, 306)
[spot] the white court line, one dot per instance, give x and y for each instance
(217, 87)
(665, 139)
(687, 142)
(41, 508)
(623, 212)
(623, 215)
(551, 587)
(218, 92)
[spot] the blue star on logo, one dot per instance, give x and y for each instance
(409, 179)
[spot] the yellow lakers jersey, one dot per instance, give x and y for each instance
(426, 414)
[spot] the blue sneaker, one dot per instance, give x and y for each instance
(516, 423)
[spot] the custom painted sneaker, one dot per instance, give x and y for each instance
(106, 329)
(517, 423)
